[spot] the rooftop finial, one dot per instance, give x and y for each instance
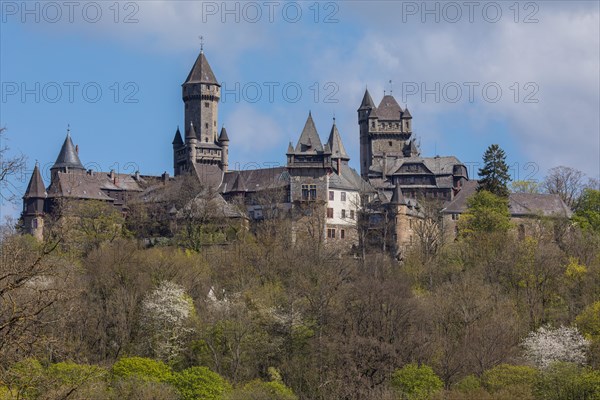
(68, 129)
(201, 44)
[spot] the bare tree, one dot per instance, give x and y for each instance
(10, 167)
(567, 182)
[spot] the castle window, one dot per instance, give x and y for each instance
(34, 223)
(330, 213)
(351, 214)
(343, 196)
(206, 125)
(342, 234)
(331, 195)
(455, 217)
(390, 143)
(206, 140)
(206, 104)
(343, 214)
(331, 233)
(373, 124)
(309, 192)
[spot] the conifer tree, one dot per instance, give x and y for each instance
(494, 174)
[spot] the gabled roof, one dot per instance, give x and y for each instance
(309, 139)
(36, 188)
(223, 135)
(201, 72)
(348, 179)
(367, 101)
(255, 180)
(177, 139)
(530, 204)
(389, 109)
(238, 184)
(68, 156)
(336, 145)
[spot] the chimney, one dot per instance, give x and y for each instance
(77, 149)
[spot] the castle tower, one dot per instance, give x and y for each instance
(68, 159)
(308, 166)
(33, 205)
(385, 131)
(201, 94)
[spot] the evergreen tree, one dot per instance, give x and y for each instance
(494, 174)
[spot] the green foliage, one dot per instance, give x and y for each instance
(503, 376)
(25, 378)
(259, 390)
(587, 211)
(416, 382)
(144, 369)
(588, 321)
(494, 174)
(525, 187)
(467, 384)
(133, 388)
(486, 213)
(567, 381)
(199, 383)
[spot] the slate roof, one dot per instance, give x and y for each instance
(201, 72)
(367, 101)
(437, 165)
(68, 156)
(36, 187)
(519, 204)
(406, 114)
(389, 109)
(309, 141)
(348, 179)
(336, 145)
(223, 137)
(255, 180)
(397, 196)
(177, 141)
(209, 174)
(84, 185)
(190, 132)
(215, 204)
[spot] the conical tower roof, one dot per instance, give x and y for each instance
(201, 72)
(406, 114)
(389, 109)
(191, 132)
(397, 196)
(177, 139)
(223, 137)
(36, 188)
(68, 158)
(336, 145)
(367, 101)
(309, 139)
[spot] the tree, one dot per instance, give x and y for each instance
(587, 210)
(199, 383)
(10, 167)
(494, 174)
(144, 369)
(505, 375)
(525, 187)
(416, 382)
(566, 182)
(547, 345)
(486, 213)
(166, 315)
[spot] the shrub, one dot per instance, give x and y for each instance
(199, 383)
(416, 382)
(144, 369)
(503, 376)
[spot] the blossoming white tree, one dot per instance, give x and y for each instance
(165, 320)
(547, 345)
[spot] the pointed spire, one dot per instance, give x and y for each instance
(177, 141)
(68, 155)
(191, 132)
(290, 149)
(309, 139)
(336, 145)
(367, 101)
(397, 196)
(389, 109)
(239, 185)
(201, 72)
(223, 137)
(36, 188)
(406, 114)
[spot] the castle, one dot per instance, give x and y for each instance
(392, 176)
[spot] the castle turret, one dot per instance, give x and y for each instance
(34, 205)
(68, 158)
(338, 152)
(224, 142)
(191, 140)
(366, 111)
(178, 149)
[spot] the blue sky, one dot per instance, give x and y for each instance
(543, 56)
